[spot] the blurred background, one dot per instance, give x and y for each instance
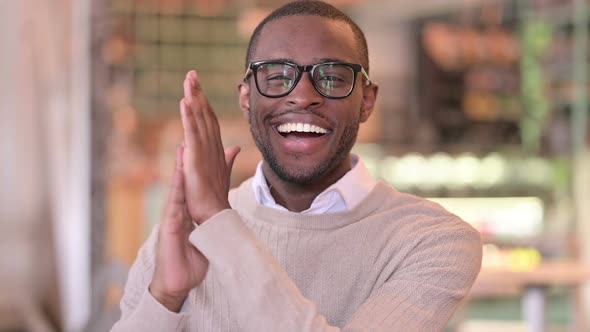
(483, 107)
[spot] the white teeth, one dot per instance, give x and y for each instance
(301, 128)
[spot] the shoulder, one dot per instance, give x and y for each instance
(428, 238)
(419, 219)
(407, 206)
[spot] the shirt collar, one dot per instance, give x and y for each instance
(343, 195)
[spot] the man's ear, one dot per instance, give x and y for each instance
(369, 99)
(244, 98)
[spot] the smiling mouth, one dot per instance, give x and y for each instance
(301, 130)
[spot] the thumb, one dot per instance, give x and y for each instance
(174, 213)
(230, 156)
(176, 195)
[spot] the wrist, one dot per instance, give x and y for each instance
(211, 213)
(171, 302)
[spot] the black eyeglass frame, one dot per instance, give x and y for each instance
(356, 68)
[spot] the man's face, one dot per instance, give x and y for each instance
(327, 127)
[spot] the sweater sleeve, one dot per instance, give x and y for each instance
(140, 311)
(420, 297)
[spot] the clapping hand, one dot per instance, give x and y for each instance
(207, 167)
(199, 190)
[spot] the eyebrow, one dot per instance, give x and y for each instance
(284, 59)
(331, 60)
(321, 60)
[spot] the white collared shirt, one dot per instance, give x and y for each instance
(342, 196)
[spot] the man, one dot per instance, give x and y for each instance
(311, 242)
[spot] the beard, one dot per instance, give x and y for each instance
(321, 168)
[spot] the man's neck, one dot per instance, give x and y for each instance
(295, 198)
(299, 197)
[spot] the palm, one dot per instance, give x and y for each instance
(201, 185)
(179, 265)
(207, 167)
(183, 266)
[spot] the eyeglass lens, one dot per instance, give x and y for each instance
(333, 80)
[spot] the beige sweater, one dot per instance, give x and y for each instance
(395, 262)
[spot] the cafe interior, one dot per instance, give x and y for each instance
(483, 108)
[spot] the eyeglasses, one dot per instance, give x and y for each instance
(276, 79)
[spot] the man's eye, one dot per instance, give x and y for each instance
(278, 77)
(331, 79)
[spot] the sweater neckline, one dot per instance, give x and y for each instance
(260, 214)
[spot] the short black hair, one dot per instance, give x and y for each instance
(313, 8)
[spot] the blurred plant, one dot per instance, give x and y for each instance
(536, 37)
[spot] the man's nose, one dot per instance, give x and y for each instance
(304, 94)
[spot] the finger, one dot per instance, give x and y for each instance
(214, 129)
(178, 163)
(230, 156)
(175, 210)
(177, 190)
(196, 106)
(188, 124)
(202, 108)
(186, 85)
(214, 136)
(209, 117)
(195, 93)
